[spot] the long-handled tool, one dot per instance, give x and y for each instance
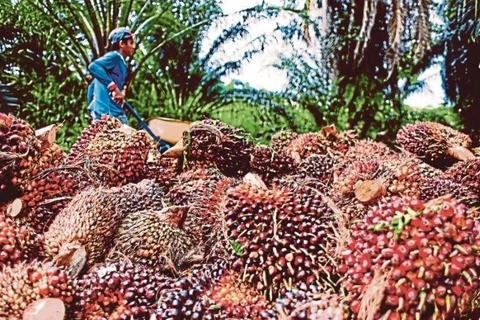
(163, 146)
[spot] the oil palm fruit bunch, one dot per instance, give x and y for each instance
(117, 156)
(269, 163)
(25, 283)
(367, 149)
(46, 194)
(280, 237)
(412, 260)
(306, 144)
(147, 194)
(320, 167)
(282, 139)
(213, 140)
(356, 172)
(315, 303)
(17, 242)
(434, 143)
(438, 186)
(184, 298)
(83, 141)
(466, 173)
(19, 153)
(117, 291)
(81, 233)
(232, 298)
(161, 169)
(155, 239)
(339, 142)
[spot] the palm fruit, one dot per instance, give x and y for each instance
(83, 141)
(320, 167)
(19, 151)
(155, 239)
(411, 260)
(307, 144)
(85, 227)
(133, 197)
(161, 169)
(232, 298)
(466, 173)
(24, 284)
(184, 298)
(282, 139)
(17, 242)
(213, 140)
(356, 172)
(431, 188)
(281, 237)
(116, 156)
(46, 194)
(433, 142)
(312, 304)
(269, 163)
(367, 149)
(117, 291)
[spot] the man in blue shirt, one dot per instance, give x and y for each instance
(110, 72)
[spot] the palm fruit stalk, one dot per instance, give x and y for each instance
(83, 141)
(412, 260)
(282, 139)
(155, 239)
(434, 143)
(269, 164)
(315, 303)
(213, 140)
(280, 237)
(17, 242)
(46, 194)
(466, 173)
(117, 291)
(24, 284)
(82, 232)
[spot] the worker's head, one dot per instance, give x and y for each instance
(121, 39)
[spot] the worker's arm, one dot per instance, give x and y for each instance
(100, 70)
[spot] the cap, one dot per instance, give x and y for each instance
(119, 34)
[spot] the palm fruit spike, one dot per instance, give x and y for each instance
(431, 188)
(313, 304)
(24, 284)
(466, 173)
(281, 237)
(434, 143)
(411, 260)
(282, 139)
(117, 156)
(319, 167)
(155, 239)
(117, 291)
(17, 243)
(85, 138)
(46, 194)
(269, 163)
(86, 227)
(212, 140)
(307, 144)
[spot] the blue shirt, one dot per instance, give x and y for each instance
(105, 70)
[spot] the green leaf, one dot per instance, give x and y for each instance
(215, 307)
(237, 248)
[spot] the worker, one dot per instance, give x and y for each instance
(110, 72)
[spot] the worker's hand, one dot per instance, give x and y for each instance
(117, 96)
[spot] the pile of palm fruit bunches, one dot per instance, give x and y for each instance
(319, 225)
